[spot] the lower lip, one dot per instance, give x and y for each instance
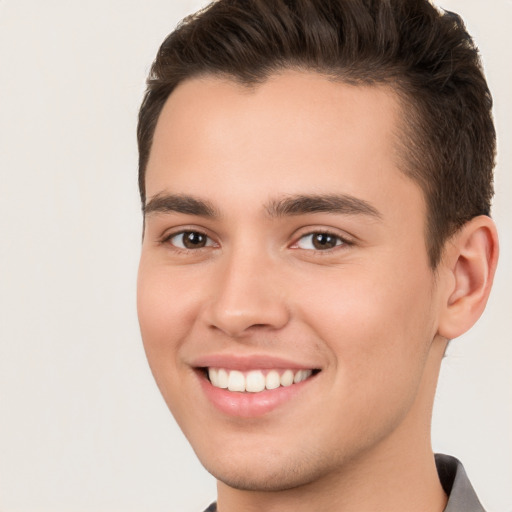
(250, 405)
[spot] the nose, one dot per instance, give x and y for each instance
(248, 296)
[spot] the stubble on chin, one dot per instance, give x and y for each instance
(274, 475)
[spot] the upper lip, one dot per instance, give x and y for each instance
(249, 362)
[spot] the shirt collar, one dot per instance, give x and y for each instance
(455, 482)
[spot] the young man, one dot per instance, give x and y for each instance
(316, 179)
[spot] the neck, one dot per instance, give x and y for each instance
(398, 474)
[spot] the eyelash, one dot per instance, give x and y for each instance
(339, 241)
(168, 240)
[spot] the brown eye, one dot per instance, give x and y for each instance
(324, 241)
(193, 240)
(319, 241)
(190, 240)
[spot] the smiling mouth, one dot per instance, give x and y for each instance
(256, 381)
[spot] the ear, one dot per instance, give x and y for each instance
(469, 263)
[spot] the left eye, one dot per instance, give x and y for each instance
(319, 241)
(190, 240)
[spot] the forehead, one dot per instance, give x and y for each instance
(295, 133)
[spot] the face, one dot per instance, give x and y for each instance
(285, 298)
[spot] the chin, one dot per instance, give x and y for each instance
(265, 474)
(264, 481)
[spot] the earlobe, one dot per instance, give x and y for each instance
(470, 260)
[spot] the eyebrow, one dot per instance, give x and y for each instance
(287, 206)
(177, 203)
(322, 203)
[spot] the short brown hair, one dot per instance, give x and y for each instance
(424, 54)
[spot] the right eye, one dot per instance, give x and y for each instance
(320, 241)
(189, 240)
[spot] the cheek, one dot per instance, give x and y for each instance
(166, 301)
(163, 307)
(357, 300)
(378, 327)
(164, 318)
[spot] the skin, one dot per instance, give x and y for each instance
(369, 313)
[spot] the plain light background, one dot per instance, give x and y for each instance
(82, 425)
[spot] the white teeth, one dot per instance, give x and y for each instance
(306, 374)
(213, 375)
(298, 377)
(218, 377)
(222, 376)
(301, 375)
(255, 381)
(236, 381)
(272, 381)
(287, 378)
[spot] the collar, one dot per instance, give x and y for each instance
(456, 484)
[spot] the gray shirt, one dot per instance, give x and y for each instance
(455, 482)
